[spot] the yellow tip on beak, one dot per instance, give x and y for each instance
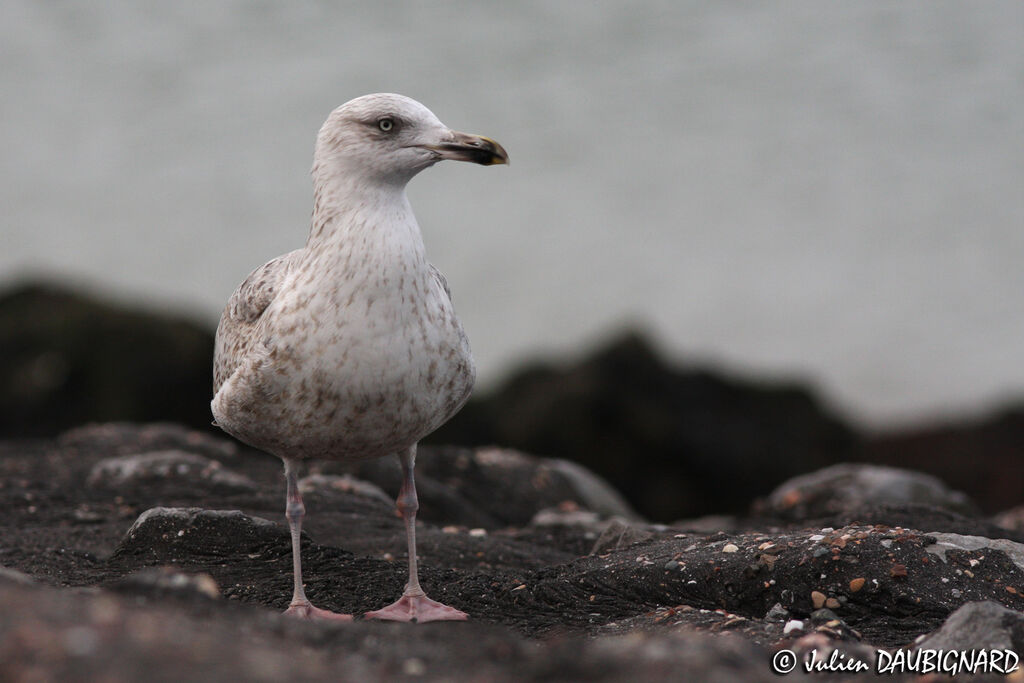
(498, 153)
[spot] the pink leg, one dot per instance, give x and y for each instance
(414, 605)
(295, 511)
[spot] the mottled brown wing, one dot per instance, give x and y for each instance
(243, 311)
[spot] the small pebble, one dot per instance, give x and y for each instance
(832, 603)
(817, 599)
(792, 625)
(856, 585)
(777, 613)
(729, 548)
(414, 667)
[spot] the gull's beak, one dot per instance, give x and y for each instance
(475, 148)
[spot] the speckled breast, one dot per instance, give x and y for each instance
(371, 385)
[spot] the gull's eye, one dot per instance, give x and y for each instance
(386, 124)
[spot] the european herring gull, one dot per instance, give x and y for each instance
(349, 348)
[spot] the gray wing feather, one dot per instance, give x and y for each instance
(257, 291)
(243, 311)
(441, 280)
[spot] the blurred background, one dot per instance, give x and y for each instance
(820, 195)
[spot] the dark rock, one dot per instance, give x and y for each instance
(945, 542)
(619, 534)
(126, 438)
(14, 576)
(979, 626)
(67, 359)
(777, 613)
(168, 534)
(344, 484)
(490, 487)
(677, 443)
(213, 470)
(915, 516)
(847, 488)
(1012, 519)
(593, 492)
(981, 456)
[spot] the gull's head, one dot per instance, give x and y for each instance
(386, 138)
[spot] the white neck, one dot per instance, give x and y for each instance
(365, 225)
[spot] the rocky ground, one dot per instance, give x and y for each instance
(156, 552)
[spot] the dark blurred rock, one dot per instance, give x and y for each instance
(490, 487)
(14, 576)
(160, 468)
(127, 438)
(168, 582)
(983, 456)
(1012, 519)
(66, 359)
(982, 625)
(677, 443)
(593, 492)
(52, 635)
(847, 488)
(569, 516)
(857, 493)
(345, 483)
